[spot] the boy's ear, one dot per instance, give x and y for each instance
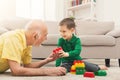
(72, 29)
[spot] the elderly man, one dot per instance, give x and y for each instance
(15, 51)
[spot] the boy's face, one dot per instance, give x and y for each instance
(66, 33)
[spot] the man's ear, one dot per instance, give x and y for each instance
(35, 35)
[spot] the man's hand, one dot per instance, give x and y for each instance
(52, 57)
(56, 71)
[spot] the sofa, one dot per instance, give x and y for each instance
(99, 39)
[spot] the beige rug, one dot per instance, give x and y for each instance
(113, 73)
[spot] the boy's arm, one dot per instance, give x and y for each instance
(77, 50)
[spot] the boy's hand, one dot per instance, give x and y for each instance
(63, 54)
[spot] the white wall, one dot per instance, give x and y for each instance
(100, 9)
(50, 13)
(22, 8)
(7, 8)
(108, 10)
(112, 11)
(40, 9)
(60, 9)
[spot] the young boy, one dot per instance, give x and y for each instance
(71, 46)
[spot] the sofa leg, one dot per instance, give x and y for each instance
(119, 62)
(107, 62)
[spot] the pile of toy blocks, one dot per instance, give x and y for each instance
(78, 68)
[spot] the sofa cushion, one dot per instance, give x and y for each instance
(14, 23)
(53, 27)
(115, 33)
(97, 40)
(52, 40)
(2, 30)
(93, 27)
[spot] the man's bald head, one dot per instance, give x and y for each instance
(36, 32)
(36, 25)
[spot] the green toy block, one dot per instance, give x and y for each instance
(80, 71)
(101, 73)
(81, 68)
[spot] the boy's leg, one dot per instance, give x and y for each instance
(91, 67)
(67, 66)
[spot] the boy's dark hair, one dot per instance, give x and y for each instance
(69, 22)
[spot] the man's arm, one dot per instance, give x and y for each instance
(19, 70)
(36, 64)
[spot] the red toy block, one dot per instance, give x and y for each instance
(89, 74)
(75, 61)
(80, 61)
(72, 70)
(57, 50)
(60, 48)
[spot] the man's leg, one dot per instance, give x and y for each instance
(107, 62)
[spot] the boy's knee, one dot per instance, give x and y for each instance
(92, 69)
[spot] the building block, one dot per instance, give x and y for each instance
(59, 48)
(73, 69)
(55, 51)
(89, 74)
(80, 71)
(101, 73)
(79, 67)
(77, 61)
